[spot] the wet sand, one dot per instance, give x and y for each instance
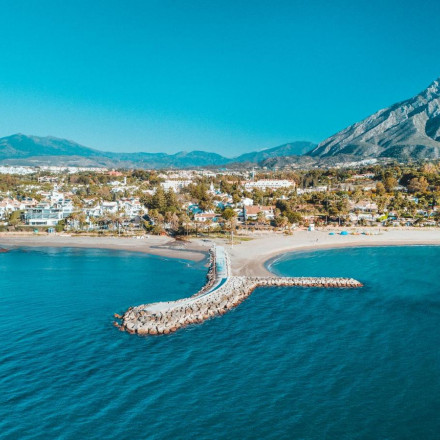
(162, 246)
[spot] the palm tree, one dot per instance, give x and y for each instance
(186, 221)
(208, 224)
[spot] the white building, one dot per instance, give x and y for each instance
(44, 215)
(132, 208)
(206, 216)
(17, 170)
(109, 207)
(8, 206)
(247, 201)
(267, 183)
(175, 185)
(252, 212)
(322, 188)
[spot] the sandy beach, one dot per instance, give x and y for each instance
(249, 257)
(162, 246)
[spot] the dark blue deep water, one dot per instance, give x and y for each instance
(288, 363)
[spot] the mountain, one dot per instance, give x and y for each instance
(292, 149)
(22, 146)
(20, 149)
(407, 130)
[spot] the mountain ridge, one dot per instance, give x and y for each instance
(20, 149)
(409, 129)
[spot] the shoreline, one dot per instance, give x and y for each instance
(159, 246)
(251, 258)
(248, 258)
(268, 261)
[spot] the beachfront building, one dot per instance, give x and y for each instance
(44, 215)
(206, 217)
(258, 211)
(364, 206)
(8, 206)
(132, 207)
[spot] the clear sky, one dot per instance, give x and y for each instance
(222, 76)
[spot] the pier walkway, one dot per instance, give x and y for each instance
(221, 293)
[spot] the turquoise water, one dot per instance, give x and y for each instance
(288, 363)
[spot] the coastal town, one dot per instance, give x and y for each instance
(203, 201)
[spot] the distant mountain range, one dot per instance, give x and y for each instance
(404, 131)
(20, 149)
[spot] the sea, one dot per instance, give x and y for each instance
(288, 363)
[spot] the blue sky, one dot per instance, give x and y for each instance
(222, 76)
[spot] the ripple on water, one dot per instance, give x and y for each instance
(287, 363)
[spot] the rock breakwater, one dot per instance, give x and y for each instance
(221, 294)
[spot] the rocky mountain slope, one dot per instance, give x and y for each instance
(406, 130)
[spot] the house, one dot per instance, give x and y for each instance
(252, 212)
(7, 206)
(132, 207)
(364, 206)
(246, 201)
(44, 215)
(206, 216)
(109, 207)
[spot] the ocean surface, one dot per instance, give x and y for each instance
(288, 363)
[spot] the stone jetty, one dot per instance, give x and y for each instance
(221, 293)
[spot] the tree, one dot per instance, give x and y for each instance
(158, 201)
(261, 218)
(380, 188)
(228, 214)
(230, 217)
(172, 204)
(418, 185)
(185, 221)
(281, 221)
(60, 226)
(15, 218)
(389, 183)
(156, 217)
(208, 224)
(257, 196)
(294, 217)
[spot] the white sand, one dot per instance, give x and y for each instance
(248, 258)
